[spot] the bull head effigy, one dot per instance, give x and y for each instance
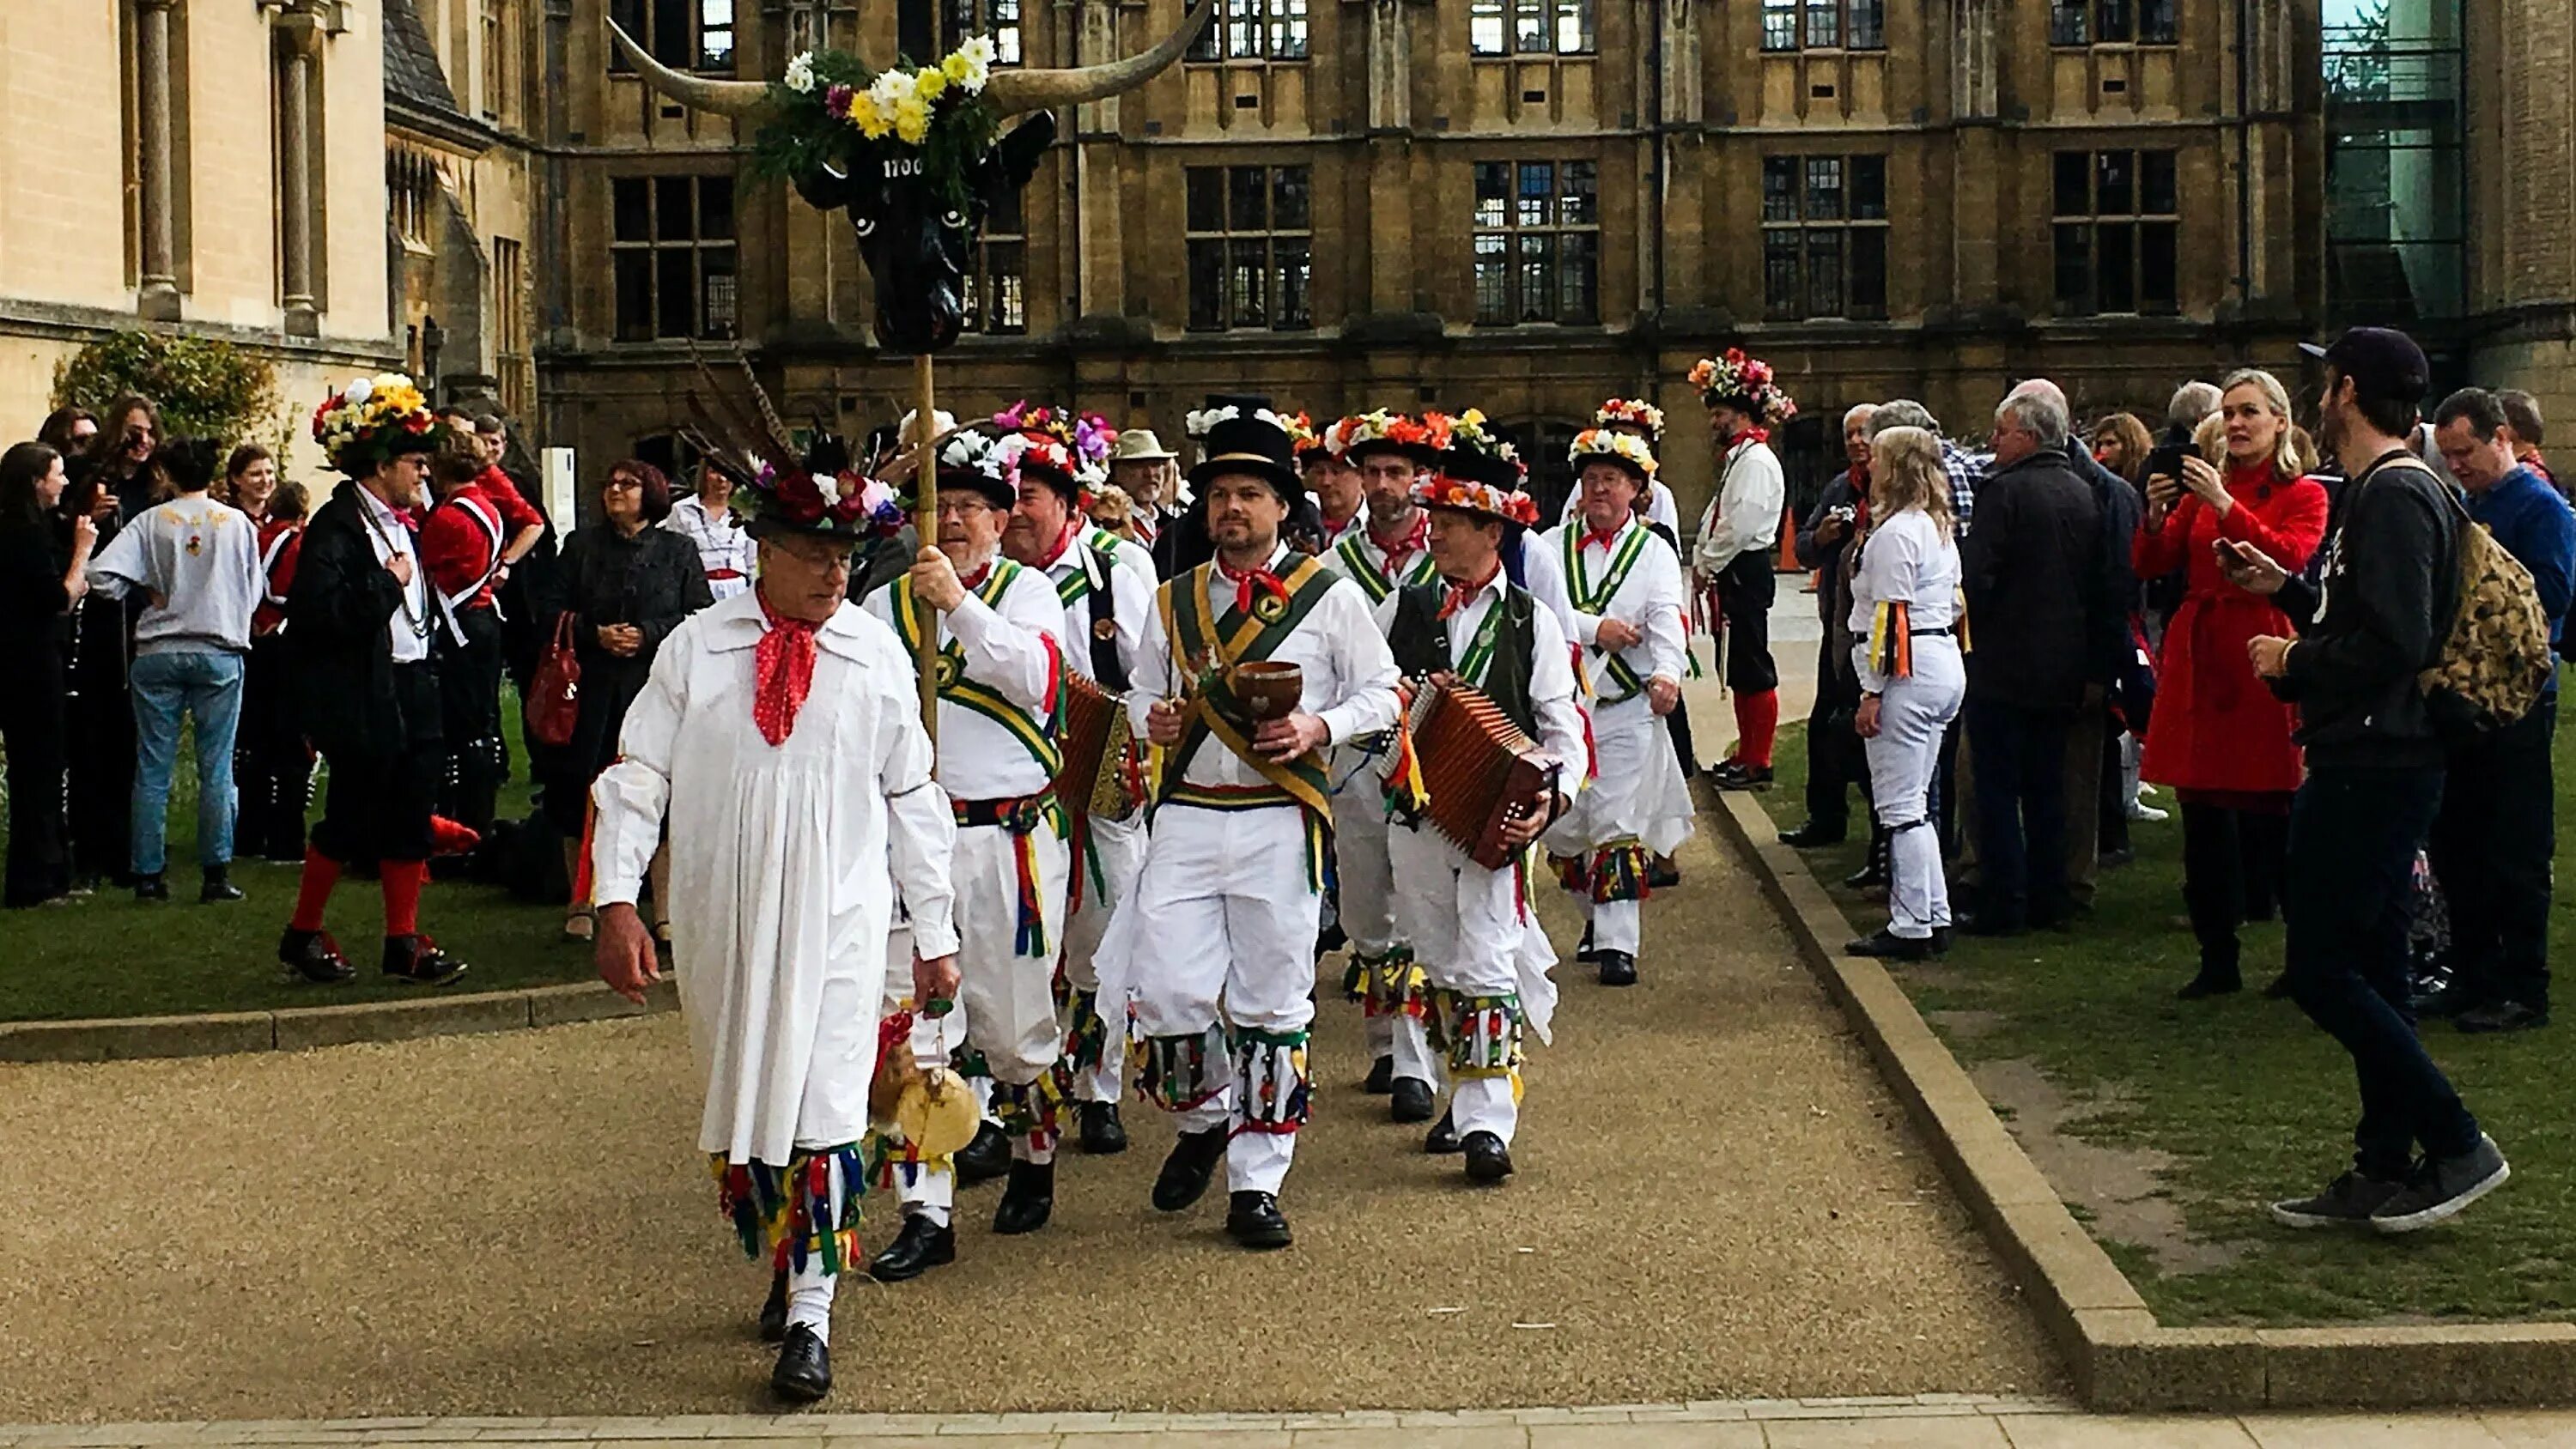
(917, 156)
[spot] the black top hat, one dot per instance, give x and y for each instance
(1251, 442)
(2383, 363)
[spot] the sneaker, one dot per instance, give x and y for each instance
(2347, 1202)
(2149, 814)
(2439, 1189)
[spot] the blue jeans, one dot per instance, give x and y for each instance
(2353, 838)
(206, 687)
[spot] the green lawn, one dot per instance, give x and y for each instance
(106, 955)
(2253, 1102)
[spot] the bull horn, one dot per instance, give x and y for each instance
(742, 99)
(1015, 92)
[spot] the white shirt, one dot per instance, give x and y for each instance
(1660, 507)
(1904, 559)
(779, 858)
(1744, 517)
(389, 533)
(1131, 586)
(723, 544)
(1543, 574)
(1010, 648)
(1649, 598)
(1349, 672)
(1551, 686)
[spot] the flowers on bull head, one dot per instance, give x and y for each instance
(373, 418)
(1601, 444)
(1743, 382)
(828, 106)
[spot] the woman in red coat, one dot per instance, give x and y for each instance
(2217, 735)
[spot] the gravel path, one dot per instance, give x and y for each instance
(1716, 1199)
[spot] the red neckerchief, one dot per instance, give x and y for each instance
(1336, 527)
(1072, 531)
(976, 580)
(1414, 541)
(1607, 540)
(1749, 435)
(1142, 521)
(782, 674)
(1247, 584)
(1460, 595)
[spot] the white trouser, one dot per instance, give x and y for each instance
(1118, 849)
(1614, 813)
(1465, 923)
(1366, 886)
(1227, 898)
(1912, 715)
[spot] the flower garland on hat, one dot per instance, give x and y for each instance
(1744, 382)
(1197, 423)
(1015, 452)
(375, 418)
(1633, 413)
(1427, 433)
(861, 506)
(1306, 442)
(1469, 496)
(1603, 445)
(1470, 432)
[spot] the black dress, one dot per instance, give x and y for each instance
(34, 632)
(652, 581)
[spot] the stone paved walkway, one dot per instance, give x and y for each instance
(1932, 1421)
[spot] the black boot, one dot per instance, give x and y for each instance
(1185, 1174)
(1487, 1159)
(804, 1372)
(773, 1313)
(1886, 945)
(2218, 977)
(418, 960)
(314, 956)
(1028, 1201)
(1617, 968)
(985, 1158)
(1662, 874)
(1873, 872)
(151, 887)
(1254, 1220)
(1381, 1077)
(920, 1247)
(1585, 953)
(1443, 1137)
(1102, 1133)
(1811, 835)
(1412, 1101)
(217, 887)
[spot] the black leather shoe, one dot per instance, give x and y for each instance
(1412, 1101)
(217, 888)
(804, 1372)
(418, 960)
(1381, 1077)
(1617, 968)
(1982, 924)
(151, 888)
(314, 956)
(1185, 1174)
(1662, 874)
(1443, 1137)
(1736, 775)
(1488, 1160)
(2211, 983)
(1886, 945)
(985, 1158)
(1585, 953)
(1811, 835)
(920, 1247)
(1869, 876)
(1254, 1220)
(2436, 994)
(1028, 1201)
(1940, 940)
(1102, 1133)
(773, 1313)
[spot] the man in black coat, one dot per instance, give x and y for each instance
(358, 623)
(1835, 760)
(2033, 575)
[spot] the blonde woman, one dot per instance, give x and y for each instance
(1904, 622)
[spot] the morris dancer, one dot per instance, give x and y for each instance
(999, 661)
(1392, 550)
(1472, 926)
(1332, 478)
(1638, 420)
(1628, 611)
(1738, 537)
(1223, 916)
(780, 734)
(1106, 585)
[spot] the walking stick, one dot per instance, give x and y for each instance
(925, 523)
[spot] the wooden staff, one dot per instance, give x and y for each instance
(925, 522)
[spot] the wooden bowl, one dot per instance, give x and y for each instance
(1269, 689)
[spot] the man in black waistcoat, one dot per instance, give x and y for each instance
(1485, 960)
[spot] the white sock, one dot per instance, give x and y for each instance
(809, 1298)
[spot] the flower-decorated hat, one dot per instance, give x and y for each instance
(1247, 440)
(1313, 446)
(967, 464)
(1744, 383)
(374, 419)
(1630, 414)
(1421, 439)
(823, 503)
(1627, 450)
(1479, 473)
(1030, 456)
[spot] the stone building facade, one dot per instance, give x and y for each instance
(1522, 205)
(2520, 225)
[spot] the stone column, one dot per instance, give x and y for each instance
(1100, 284)
(299, 41)
(160, 279)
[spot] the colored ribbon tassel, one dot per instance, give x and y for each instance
(1034, 1110)
(1270, 1081)
(803, 1213)
(1316, 853)
(1407, 796)
(1031, 940)
(1172, 1071)
(1619, 873)
(1891, 640)
(1086, 1042)
(1481, 1034)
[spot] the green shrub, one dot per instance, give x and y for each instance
(204, 386)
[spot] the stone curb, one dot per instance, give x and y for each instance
(2121, 1359)
(301, 1027)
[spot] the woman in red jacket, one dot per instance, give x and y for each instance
(2217, 736)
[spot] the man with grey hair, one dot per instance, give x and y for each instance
(2191, 402)
(1964, 470)
(2523, 429)
(2032, 574)
(1835, 761)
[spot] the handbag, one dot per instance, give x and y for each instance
(554, 696)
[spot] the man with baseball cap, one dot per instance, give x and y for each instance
(2377, 615)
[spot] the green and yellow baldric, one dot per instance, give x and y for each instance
(1205, 649)
(1591, 598)
(1354, 554)
(912, 615)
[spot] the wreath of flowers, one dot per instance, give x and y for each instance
(859, 504)
(357, 425)
(1015, 451)
(1197, 423)
(1086, 436)
(1303, 438)
(1635, 414)
(1743, 381)
(1628, 448)
(830, 110)
(1431, 430)
(1508, 504)
(1470, 432)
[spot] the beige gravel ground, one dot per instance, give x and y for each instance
(1716, 1199)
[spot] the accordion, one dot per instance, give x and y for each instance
(1481, 771)
(1096, 741)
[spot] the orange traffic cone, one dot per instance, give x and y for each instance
(1788, 563)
